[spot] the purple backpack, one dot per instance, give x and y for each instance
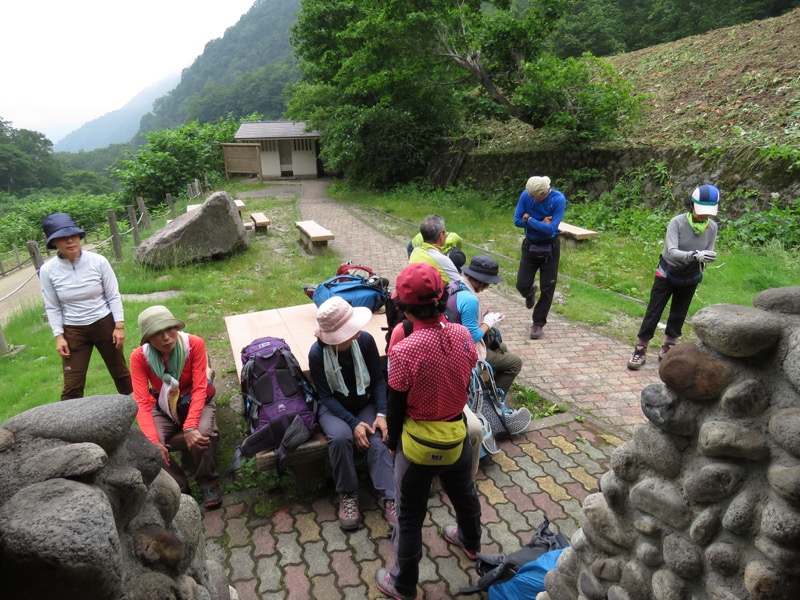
(279, 400)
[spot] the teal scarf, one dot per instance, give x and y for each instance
(175, 362)
(333, 370)
(698, 228)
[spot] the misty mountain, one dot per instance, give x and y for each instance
(118, 126)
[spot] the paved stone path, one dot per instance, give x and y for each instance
(300, 552)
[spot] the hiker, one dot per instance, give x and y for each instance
(83, 307)
(452, 240)
(540, 209)
(477, 277)
(431, 251)
(688, 247)
(429, 372)
(172, 386)
(347, 373)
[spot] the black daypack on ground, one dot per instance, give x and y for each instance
(498, 568)
(279, 402)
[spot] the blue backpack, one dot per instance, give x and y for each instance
(358, 291)
(519, 574)
(279, 403)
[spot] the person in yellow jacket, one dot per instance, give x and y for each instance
(434, 236)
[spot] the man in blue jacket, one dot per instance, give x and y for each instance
(539, 212)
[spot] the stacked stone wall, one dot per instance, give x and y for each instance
(704, 500)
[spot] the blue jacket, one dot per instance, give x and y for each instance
(553, 206)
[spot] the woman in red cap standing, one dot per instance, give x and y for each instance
(429, 373)
(83, 306)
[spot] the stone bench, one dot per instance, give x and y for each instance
(313, 236)
(260, 221)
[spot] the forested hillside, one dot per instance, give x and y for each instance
(241, 73)
(730, 87)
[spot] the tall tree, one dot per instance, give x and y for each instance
(412, 63)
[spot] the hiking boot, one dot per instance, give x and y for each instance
(450, 533)
(536, 332)
(639, 357)
(664, 349)
(530, 299)
(385, 583)
(212, 498)
(390, 513)
(349, 514)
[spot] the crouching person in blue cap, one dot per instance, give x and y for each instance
(429, 373)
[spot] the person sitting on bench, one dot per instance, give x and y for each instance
(346, 371)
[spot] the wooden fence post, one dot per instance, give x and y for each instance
(134, 225)
(171, 205)
(208, 185)
(115, 239)
(189, 191)
(36, 258)
(4, 347)
(143, 210)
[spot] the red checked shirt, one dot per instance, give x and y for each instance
(433, 365)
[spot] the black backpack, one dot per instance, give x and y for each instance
(279, 404)
(497, 568)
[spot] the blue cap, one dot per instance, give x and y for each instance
(706, 200)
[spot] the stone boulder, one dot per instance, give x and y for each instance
(87, 513)
(211, 231)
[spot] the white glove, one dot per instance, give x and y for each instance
(705, 256)
(492, 319)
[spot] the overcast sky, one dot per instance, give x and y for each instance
(63, 63)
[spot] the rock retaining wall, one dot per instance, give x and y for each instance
(704, 501)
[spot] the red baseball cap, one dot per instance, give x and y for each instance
(419, 283)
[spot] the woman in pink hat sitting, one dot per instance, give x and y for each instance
(346, 371)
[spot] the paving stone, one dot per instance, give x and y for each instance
(525, 483)
(213, 525)
(316, 558)
(434, 542)
(241, 564)
(325, 587)
(263, 542)
(307, 526)
(566, 446)
(488, 512)
(334, 537)
(246, 590)
(325, 511)
(514, 518)
(297, 584)
(496, 475)
(494, 495)
(268, 574)
(586, 479)
(453, 572)
(551, 488)
(427, 569)
(234, 510)
(288, 548)
(282, 521)
(521, 502)
(363, 548)
(238, 534)
(556, 470)
(355, 593)
(214, 551)
(344, 566)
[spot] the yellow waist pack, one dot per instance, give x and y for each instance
(433, 442)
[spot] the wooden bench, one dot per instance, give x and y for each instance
(296, 325)
(576, 233)
(314, 236)
(260, 221)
